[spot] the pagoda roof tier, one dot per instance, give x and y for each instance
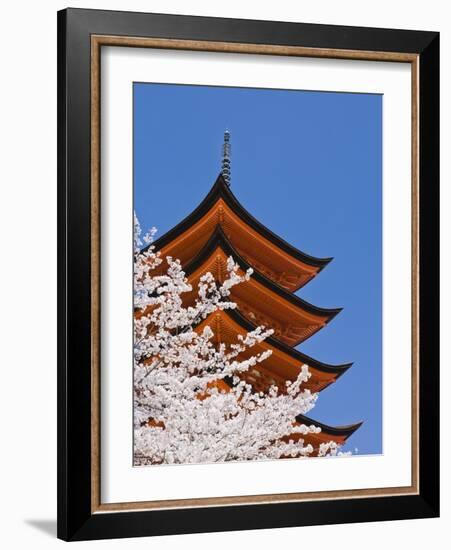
(336, 431)
(259, 299)
(284, 364)
(338, 434)
(263, 249)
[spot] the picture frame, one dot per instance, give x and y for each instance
(81, 36)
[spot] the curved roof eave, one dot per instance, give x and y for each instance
(346, 431)
(220, 189)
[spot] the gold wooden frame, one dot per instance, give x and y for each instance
(97, 41)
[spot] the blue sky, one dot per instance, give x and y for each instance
(308, 165)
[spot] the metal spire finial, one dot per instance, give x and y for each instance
(226, 153)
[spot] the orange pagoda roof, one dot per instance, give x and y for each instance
(221, 227)
(269, 254)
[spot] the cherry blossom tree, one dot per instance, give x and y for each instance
(191, 404)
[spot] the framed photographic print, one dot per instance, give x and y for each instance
(248, 274)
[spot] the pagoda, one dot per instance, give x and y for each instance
(221, 227)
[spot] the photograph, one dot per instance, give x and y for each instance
(257, 266)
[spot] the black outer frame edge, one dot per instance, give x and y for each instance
(191, 27)
(75, 521)
(429, 280)
(258, 516)
(61, 278)
(74, 270)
